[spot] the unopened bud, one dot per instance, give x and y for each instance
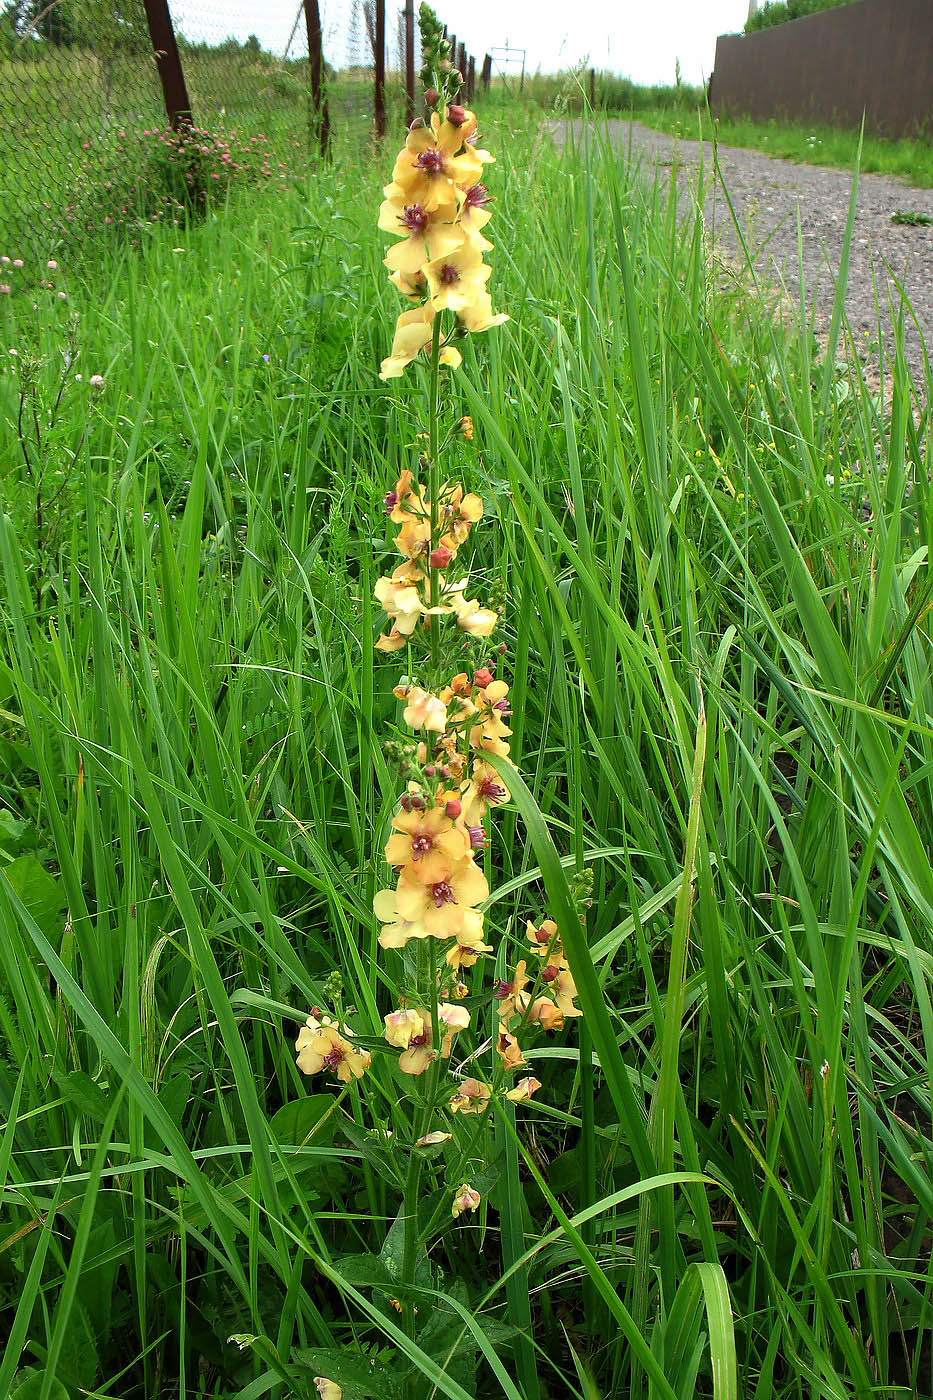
(445, 66)
(483, 677)
(416, 124)
(406, 802)
(444, 771)
(417, 802)
(440, 557)
(456, 114)
(390, 501)
(549, 973)
(430, 771)
(503, 649)
(432, 96)
(452, 809)
(466, 427)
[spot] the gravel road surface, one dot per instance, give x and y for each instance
(767, 193)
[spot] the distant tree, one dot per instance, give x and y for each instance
(81, 23)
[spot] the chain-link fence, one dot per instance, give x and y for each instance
(86, 138)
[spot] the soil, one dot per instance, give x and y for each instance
(767, 194)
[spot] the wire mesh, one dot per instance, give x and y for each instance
(84, 145)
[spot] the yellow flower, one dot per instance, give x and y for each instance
(400, 216)
(413, 332)
(327, 1390)
(428, 842)
(411, 255)
(456, 279)
(400, 598)
(468, 948)
(544, 1013)
(478, 314)
(459, 513)
(465, 1198)
(440, 907)
(320, 1045)
(401, 1026)
(396, 931)
(509, 1050)
(485, 789)
(471, 1097)
(425, 711)
(391, 641)
(492, 706)
(433, 1139)
(512, 998)
(479, 622)
(524, 1089)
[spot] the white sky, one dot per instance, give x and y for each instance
(638, 38)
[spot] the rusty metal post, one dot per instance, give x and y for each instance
(380, 57)
(320, 114)
(168, 62)
(410, 58)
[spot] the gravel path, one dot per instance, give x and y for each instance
(767, 193)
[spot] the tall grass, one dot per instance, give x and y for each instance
(716, 554)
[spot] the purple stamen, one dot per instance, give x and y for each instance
(414, 217)
(477, 837)
(442, 893)
(449, 274)
(431, 162)
(477, 196)
(420, 846)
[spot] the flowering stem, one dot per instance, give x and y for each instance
(434, 480)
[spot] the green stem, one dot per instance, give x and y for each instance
(434, 484)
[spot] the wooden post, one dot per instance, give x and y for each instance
(380, 57)
(486, 75)
(168, 62)
(471, 79)
(452, 40)
(320, 115)
(462, 63)
(592, 87)
(410, 59)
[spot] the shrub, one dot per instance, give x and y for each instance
(777, 12)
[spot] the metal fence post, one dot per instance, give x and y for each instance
(168, 62)
(380, 57)
(410, 58)
(320, 115)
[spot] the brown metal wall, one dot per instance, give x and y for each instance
(874, 56)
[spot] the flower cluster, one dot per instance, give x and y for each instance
(453, 703)
(437, 205)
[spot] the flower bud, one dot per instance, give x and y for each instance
(452, 809)
(549, 973)
(430, 771)
(445, 65)
(456, 114)
(483, 677)
(431, 97)
(444, 771)
(406, 802)
(417, 124)
(466, 427)
(440, 557)
(417, 802)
